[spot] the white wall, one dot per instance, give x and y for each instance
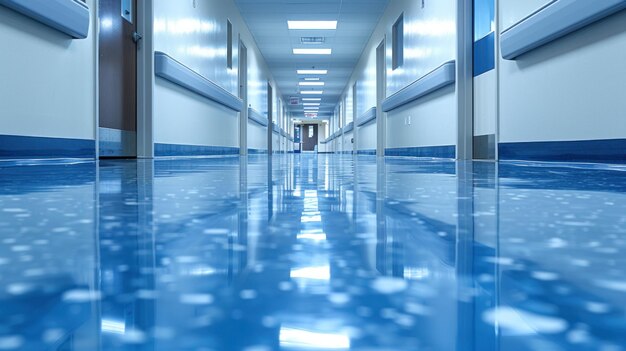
(48, 81)
(366, 137)
(197, 37)
(571, 89)
(429, 41)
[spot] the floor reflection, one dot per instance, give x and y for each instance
(312, 253)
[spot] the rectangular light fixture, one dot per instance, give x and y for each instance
(301, 51)
(312, 92)
(311, 79)
(312, 84)
(312, 71)
(311, 104)
(312, 99)
(324, 25)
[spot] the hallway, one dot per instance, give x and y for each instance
(312, 252)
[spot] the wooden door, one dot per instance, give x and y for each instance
(118, 78)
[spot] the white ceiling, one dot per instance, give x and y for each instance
(267, 20)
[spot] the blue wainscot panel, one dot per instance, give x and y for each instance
(554, 21)
(68, 16)
(171, 150)
(448, 151)
(177, 73)
(14, 146)
(256, 117)
(367, 117)
(367, 152)
(439, 78)
(611, 150)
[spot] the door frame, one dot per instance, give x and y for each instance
(465, 80)
(381, 93)
(145, 78)
(270, 117)
(243, 95)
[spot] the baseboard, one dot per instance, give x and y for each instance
(171, 150)
(17, 146)
(609, 150)
(447, 151)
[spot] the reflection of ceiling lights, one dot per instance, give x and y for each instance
(312, 71)
(312, 84)
(312, 92)
(314, 273)
(303, 339)
(113, 326)
(298, 25)
(301, 51)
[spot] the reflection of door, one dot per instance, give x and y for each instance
(309, 137)
(118, 78)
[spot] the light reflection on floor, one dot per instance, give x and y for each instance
(312, 253)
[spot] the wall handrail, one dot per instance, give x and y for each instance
(257, 117)
(348, 128)
(367, 117)
(168, 68)
(67, 16)
(438, 78)
(553, 21)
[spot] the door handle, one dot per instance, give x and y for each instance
(137, 37)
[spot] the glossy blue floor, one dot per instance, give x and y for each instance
(308, 252)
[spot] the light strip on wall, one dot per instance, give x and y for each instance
(318, 25)
(301, 51)
(312, 71)
(312, 84)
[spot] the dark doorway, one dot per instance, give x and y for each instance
(118, 78)
(309, 137)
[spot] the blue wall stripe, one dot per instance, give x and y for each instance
(366, 152)
(14, 146)
(448, 151)
(257, 151)
(485, 54)
(610, 150)
(168, 150)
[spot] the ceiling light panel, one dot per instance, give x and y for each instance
(311, 79)
(311, 104)
(312, 99)
(301, 51)
(308, 25)
(312, 84)
(312, 92)
(312, 71)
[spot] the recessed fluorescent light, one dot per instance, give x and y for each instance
(311, 79)
(312, 84)
(312, 99)
(312, 51)
(312, 71)
(327, 25)
(312, 92)
(311, 104)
